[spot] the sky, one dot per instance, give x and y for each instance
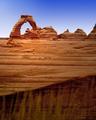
(61, 14)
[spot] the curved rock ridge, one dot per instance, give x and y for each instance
(23, 19)
(74, 99)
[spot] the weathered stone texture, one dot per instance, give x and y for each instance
(70, 100)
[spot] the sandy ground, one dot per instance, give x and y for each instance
(38, 63)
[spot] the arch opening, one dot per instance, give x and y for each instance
(17, 29)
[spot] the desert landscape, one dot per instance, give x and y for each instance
(41, 59)
(31, 62)
(39, 63)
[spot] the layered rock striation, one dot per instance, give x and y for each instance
(69, 100)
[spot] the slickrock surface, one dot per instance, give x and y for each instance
(38, 63)
(70, 100)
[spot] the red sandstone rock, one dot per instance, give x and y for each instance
(16, 29)
(36, 32)
(48, 32)
(92, 35)
(65, 35)
(31, 34)
(73, 99)
(80, 31)
(77, 35)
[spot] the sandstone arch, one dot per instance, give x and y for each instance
(16, 29)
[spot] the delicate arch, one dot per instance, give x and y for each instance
(24, 18)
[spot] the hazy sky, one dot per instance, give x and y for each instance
(61, 14)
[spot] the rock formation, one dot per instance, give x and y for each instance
(31, 34)
(69, 100)
(92, 35)
(35, 32)
(79, 34)
(48, 32)
(16, 29)
(65, 35)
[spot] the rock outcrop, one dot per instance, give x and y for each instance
(79, 34)
(92, 35)
(35, 32)
(16, 29)
(31, 34)
(48, 32)
(65, 35)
